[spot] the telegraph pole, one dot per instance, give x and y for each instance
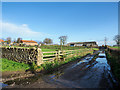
(105, 40)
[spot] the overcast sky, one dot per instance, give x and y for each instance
(80, 21)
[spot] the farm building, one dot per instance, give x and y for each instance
(93, 44)
(29, 42)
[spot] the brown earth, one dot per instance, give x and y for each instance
(11, 75)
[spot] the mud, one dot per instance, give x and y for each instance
(86, 73)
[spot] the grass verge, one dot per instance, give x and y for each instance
(115, 65)
(9, 65)
(115, 47)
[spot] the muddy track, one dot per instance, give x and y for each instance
(84, 73)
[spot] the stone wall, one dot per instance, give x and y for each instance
(26, 55)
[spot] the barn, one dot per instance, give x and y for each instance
(88, 44)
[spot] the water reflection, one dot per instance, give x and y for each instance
(56, 75)
(96, 72)
(3, 85)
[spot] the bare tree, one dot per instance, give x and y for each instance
(63, 40)
(19, 40)
(117, 39)
(48, 41)
(8, 40)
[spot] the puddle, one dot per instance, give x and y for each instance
(94, 72)
(56, 75)
(102, 55)
(3, 85)
(84, 60)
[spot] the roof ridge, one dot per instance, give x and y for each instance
(28, 41)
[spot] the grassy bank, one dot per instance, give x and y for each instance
(115, 47)
(115, 65)
(9, 65)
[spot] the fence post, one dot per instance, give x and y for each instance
(63, 53)
(39, 57)
(58, 54)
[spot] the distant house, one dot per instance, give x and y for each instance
(1, 42)
(93, 44)
(29, 42)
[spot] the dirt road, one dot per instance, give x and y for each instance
(87, 73)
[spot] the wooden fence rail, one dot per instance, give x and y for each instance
(52, 55)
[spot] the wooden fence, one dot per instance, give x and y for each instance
(53, 55)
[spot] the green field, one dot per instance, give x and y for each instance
(48, 50)
(53, 47)
(115, 47)
(9, 65)
(58, 47)
(95, 48)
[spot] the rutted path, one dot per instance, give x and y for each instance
(87, 73)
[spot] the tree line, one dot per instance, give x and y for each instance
(63, 40)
